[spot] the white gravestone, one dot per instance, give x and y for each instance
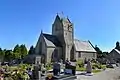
(62, 66)
(38, 60)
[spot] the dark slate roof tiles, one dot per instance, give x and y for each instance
(51, 40)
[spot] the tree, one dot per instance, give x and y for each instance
(117, 46)
(2, 54)
(99, 52)
(105, 54)
(23, 51)
(31, 50)
(8, 55)
(16, 52)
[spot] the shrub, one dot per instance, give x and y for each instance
(103, 66)
(98, 66)
(80, 63)
(23, 66)
(48, 66)
(80, 69)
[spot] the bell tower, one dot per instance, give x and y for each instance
(63, 29)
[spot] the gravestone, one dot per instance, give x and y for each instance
(89, 67)
(62, 66)
(43, 69)
(56, 68)
(38, 60)
(37, 68)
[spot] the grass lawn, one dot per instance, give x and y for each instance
(84, 69)
(80, 69)
(96, 71)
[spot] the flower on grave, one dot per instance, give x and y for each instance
(50, 76)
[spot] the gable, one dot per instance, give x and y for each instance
(84, 46)
(40, 44)
(51, 40)
(115, 51)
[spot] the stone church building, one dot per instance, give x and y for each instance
(61, 43)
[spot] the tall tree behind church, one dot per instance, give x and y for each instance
(117, 46)
(99, 52)
(23, 51)
(31, 50)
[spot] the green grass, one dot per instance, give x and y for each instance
(80, 69)
(84, 69)
(96, 71)
(103, 66)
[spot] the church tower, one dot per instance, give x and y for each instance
(63, 29)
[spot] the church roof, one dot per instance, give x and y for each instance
(83, 46)
(51, 40)
(117, 51)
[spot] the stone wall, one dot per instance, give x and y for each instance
(53, 54)
(83, 55)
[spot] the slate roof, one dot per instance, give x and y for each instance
(84, 46)
(117, 51)
(51, 40)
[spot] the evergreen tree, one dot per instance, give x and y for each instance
(99, 52)
(105, 54)
(2, 54)
(8, 55)
(117, 46)
(23, 51)
(31, 50)
(16, 52)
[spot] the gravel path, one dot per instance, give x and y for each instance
(109, 74)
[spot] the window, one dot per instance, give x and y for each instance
(79, 54)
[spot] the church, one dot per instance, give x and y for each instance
(60, 44)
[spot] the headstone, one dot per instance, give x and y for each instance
(56, 68)
(89, 67)
(43, 69)
(37, 68)
(62, 67)
(61, 64)
(36, 73)
(38, 60)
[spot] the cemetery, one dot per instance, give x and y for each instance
(57, 70)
